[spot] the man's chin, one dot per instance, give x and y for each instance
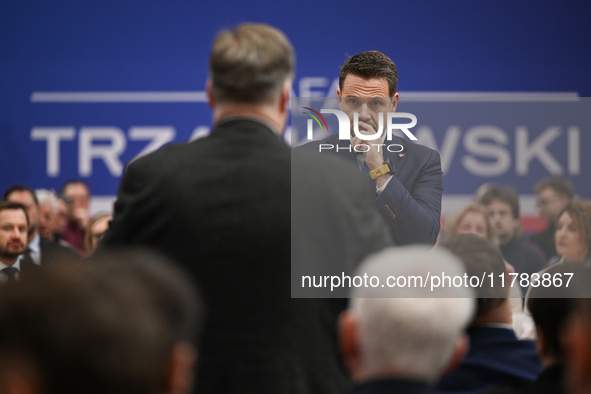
(14, 252)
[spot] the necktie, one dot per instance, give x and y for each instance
(27, 259)
(11, 272)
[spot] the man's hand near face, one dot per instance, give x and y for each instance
(374, 157)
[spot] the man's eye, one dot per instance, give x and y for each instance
(376, 103)
(352, 101)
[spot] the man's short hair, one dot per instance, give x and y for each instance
(560, 186)
(11, 205)
(250, 64)
(108, 326)
(506, 194)
(20, 188)
(371, 64)
(74, 181)
(414, 335)
(550, 306)
(481, 257)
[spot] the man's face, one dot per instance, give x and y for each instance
(25, 198)
(76, 195)
(550, 204)
(61, 216)
(502, 217)
(13, 233)
(46, 220)
(369, 98)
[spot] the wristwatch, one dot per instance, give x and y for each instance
(387, 168)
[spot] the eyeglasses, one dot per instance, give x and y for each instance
(542, 202)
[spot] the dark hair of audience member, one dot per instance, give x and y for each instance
(10, 205)
(550, 306)
(480, 256)
(507, 194)
(559, 185)
(20, 188)
(107, 326)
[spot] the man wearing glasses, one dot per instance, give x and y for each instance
(554, 194)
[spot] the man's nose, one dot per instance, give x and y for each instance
(364, 112)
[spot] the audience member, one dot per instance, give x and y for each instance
(395, 344)
(124, 324)
(39, 250)
(550, 307)
(472, 219)
(577, 337)
(553, 195)
(61, 217)
(97, 227)
(76, 194)
(47, 210)
(14, 226)
(573, 232)
(502, 204)
(496, 357)
(221, 207)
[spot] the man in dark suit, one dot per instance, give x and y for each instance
(406, 178)
(220, 206)
(496, 357)
(38, 250)
(14, 224)
(550, 308)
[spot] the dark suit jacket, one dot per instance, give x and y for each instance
(496, 358)
(545, 241)
(220, 206)
(550, 381)
(411, 202)
(392, 386)
(52, 252)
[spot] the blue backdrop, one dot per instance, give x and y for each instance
(52, 51)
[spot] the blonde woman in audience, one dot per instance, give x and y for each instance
(472, 219)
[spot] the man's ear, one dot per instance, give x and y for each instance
(208, 91)
(285, 95)
(395, 102)
(180, 368)
(349, 342)
(460, 350)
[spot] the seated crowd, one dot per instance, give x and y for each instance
(76, 321)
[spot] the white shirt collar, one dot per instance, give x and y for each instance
(34, 245)
(17, 264)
